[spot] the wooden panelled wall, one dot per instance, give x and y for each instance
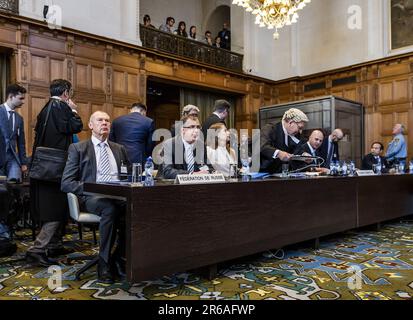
(384, 87)
(108, 75)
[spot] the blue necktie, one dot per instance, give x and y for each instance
(11, 122)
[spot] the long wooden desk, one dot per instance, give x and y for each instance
(174, 228)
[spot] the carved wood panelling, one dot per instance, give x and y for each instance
(39, 69)
(109, 76)
(56, 69)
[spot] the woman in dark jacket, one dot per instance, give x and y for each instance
(181, 31)
(49, 204)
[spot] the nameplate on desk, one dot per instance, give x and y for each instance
(365, 173)
(185, 179)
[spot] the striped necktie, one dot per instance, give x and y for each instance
(190, 160)
(104, 164)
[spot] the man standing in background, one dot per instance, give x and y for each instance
(134, 131)
(48, 204)
(225, 36)
(13, 146)
(329, 149)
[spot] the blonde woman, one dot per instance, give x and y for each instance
(219, 153)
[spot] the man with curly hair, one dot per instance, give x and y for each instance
(279, 140)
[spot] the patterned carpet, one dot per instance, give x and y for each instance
(362, 265)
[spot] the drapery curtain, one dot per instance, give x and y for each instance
(4, 75)
(205, 102)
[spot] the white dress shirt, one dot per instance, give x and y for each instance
(114, 172)
(220, 159)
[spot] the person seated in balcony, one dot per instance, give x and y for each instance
(192, 33)
(219, 153)
(217, 42)
(225, 36)
(147, 21)
(208, 38)
(167, 27)
(181, 31)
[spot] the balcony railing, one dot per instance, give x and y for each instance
(186, 48)
(10, 6)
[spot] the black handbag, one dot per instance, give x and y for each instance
(48, 163)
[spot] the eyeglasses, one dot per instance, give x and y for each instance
(193, 127)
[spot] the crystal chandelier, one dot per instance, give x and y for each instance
(273, 14)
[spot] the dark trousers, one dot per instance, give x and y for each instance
(112, 217)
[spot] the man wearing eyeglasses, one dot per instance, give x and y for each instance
(184, 154)
(329, 149)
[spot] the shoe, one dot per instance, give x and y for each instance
(120, 269)
(40, 259)
(104, 274)
(55, 252)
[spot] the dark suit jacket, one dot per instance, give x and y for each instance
(173, 164)
(369, 160)
(16, 141)
(134, 132)
(81, 166)
(304, 148)
(2, 147)
(324, 152)
(212, 119)
(272, 139)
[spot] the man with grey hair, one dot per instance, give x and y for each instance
(279, 140)
(397, 150)
(98, 160)
(188, 110)
(329, 150)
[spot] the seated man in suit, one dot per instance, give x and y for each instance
(375, 157)
(98, 160)
(185, 153)
(312, 149)
(279, 140)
